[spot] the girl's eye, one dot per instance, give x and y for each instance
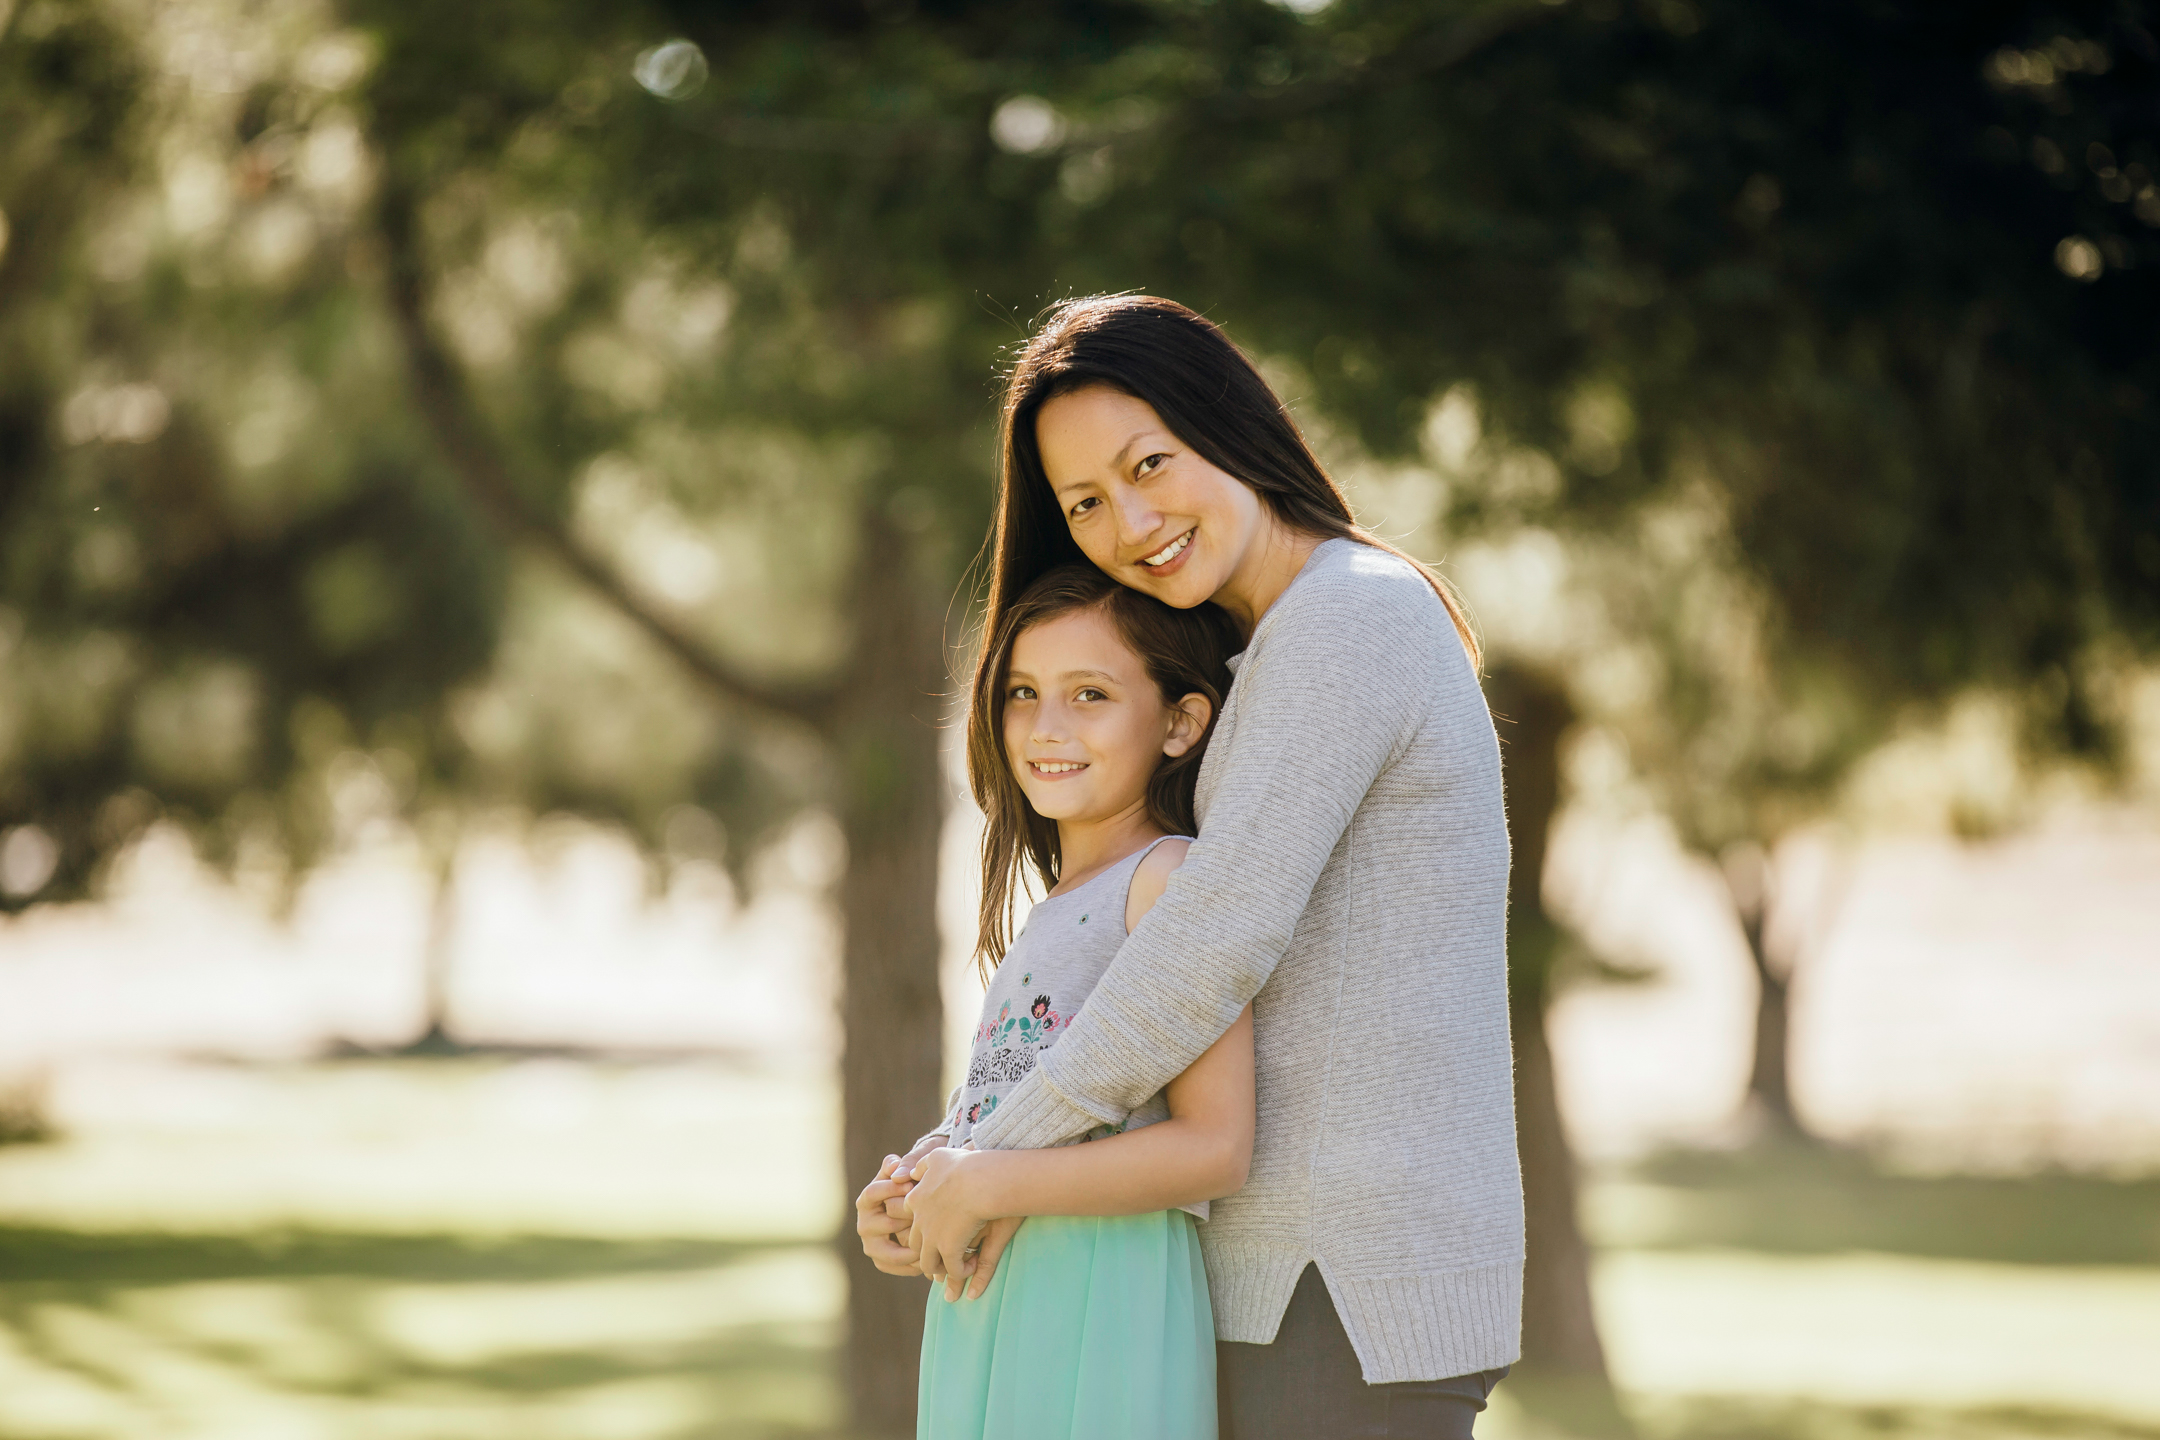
(1021, 692)
(1091, 693)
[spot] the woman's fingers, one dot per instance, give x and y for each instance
(942, 1242)
(959, 1268)
(995, 1237)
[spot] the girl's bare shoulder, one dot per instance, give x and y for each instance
(1151, 875)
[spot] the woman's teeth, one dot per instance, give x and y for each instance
(1057, 767)
(1169, 552)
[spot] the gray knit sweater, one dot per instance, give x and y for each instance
(1350, 880)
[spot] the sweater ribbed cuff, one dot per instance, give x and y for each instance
(1035, 1116)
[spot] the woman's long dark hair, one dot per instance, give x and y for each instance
(1209, 395)
(1185, 652)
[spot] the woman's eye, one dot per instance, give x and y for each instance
(1151, 464)
(1084, 506)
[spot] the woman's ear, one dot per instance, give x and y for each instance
(1188, 722)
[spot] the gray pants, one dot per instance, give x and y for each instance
(1307, 1385)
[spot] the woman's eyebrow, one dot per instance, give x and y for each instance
(1117, 462)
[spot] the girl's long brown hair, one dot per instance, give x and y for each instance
(1210, 396)
(1185, 652)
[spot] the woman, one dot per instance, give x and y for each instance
(1349, 882)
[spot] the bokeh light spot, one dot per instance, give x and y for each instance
(1027, 125)
(28, 857)
(675, 70)
(2079, 258)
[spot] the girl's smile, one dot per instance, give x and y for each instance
(1086, 727)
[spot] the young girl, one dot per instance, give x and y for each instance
(1090, 709)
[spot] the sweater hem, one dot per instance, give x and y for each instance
(1429, 1326)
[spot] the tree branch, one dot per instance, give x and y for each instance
(447, 404)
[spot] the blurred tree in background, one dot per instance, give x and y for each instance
(407, 411)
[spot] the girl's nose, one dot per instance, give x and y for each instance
(1049, 727)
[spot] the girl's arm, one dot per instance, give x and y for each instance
(1200, 1153)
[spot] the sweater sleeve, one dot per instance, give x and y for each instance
(1338, 678)
(947, 1126)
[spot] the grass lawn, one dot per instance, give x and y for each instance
(486, 1248)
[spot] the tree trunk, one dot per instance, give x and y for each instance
(887, 739)
(436, 959)
(1751, 878)
(1770, 1076)
(435, 974)
(1562, 1377)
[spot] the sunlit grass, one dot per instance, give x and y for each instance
(557, 1250)
(1884, 1330)
(538, 1248)
(470, 1146)
(742, 1347)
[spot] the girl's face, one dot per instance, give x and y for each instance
(1144, 506)
(1085, 726)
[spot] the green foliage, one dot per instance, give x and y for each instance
(1859, 288)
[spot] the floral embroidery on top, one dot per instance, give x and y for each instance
(1067, 952)
(1032, 1028)
(1012, 1041)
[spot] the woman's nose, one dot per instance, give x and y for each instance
(1137, 520)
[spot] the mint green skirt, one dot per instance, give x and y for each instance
(1091, 1328)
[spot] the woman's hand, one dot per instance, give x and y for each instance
(949, 1214)
(995, 1237)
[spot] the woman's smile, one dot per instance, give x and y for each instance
(1167, 560)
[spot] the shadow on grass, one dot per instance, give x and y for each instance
(156, 1257)
(333, 1334)
(1721, 1418)
(1807, 1200)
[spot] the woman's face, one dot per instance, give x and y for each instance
(1144, 506)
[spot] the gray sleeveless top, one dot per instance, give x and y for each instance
(1054, 962)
